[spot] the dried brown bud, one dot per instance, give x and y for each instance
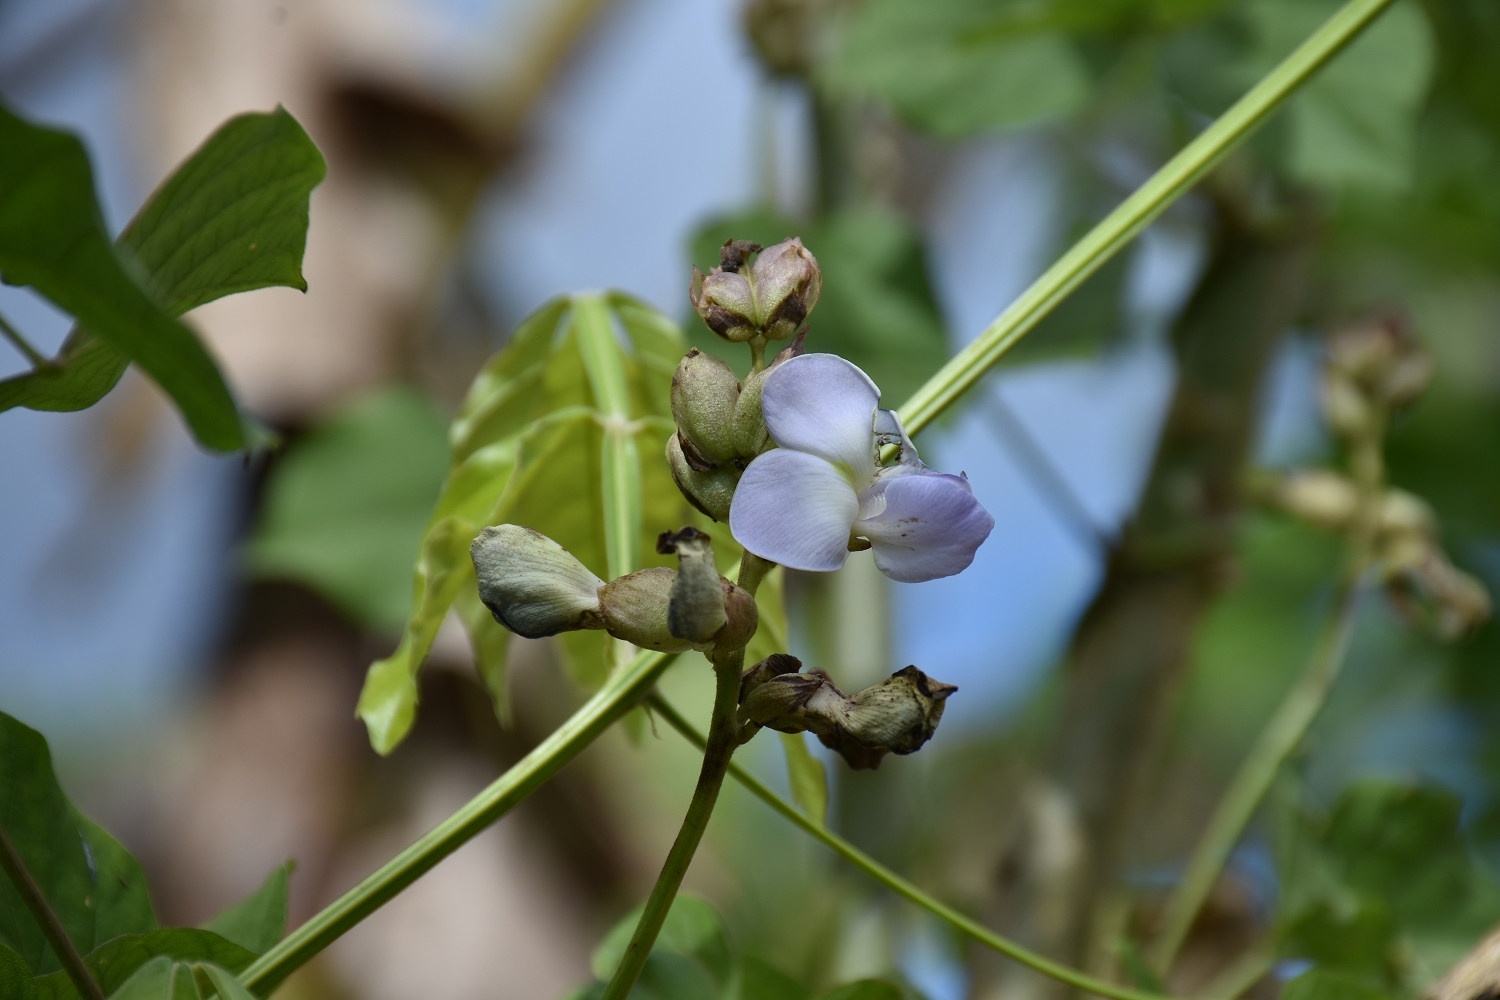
(532, 585)
(707, 487)
(772, 666)
(1382, 360)
(704, 394)
(898, 715)
(770, 298)
(1434, 591)
(1350, 412)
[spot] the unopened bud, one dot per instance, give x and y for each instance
(704, 394)
(707, 487)
(1319, 497)
(637, 608)
(770, 298)
(750, 434)
(532, 585)
(1401, 511)
(1383, 359)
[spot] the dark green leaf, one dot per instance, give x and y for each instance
(233, 217)
(956, 67)
(347, 505)
(257, 922)
(96, 893)
(1361, 944)
(52, 238)
(116, 961)
(15, 978)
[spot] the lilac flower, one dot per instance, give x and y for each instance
(802, 503)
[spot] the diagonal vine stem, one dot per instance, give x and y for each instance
(46, 918)
(895, 882)
(941, 391)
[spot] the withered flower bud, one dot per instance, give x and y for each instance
(696, 606)
(637, 608)
(532, 585)
(1401, 511)
(742, 614)
(1383, 360)
(898, 715)
(1319, 497)
(1349, 411)
(772, 666)
(708, 487)
(1434, 591)
(770, 298)
(704, 394)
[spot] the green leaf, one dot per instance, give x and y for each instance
(52, 238)
(96, 893)
(153, 981)
(488, 640)
(809, 780)
(15, 978)
(228, 986)
(692, 958)
(760, 980)
(257, 921)
(347, 505)
(231, 218)
(118, 960)
(1320, 984)
(956, 67)
(1355, 123)
(867, 989)
(877, 308)
(529, 448)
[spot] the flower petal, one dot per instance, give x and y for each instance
(823, 405)
(930, 526)
(794, 509)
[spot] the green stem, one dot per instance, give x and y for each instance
(895, 882)
(717, 751)
(757, 354)
(612, 701)
(1137, 212)
(753, 569)
(1276, 743)
(23, 345)
(52, 928)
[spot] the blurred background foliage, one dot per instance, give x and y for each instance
(886, 133)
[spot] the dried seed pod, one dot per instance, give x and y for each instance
(704, 394)
(532, 585)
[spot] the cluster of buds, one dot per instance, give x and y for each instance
(1372, 370)
(720, 424)
(767, 298)
(536, 588)
(898, 715)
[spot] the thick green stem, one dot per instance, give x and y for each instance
(719, 748)
(1276, 743)
(753, 569)
(896, 883)
(52, 928)
(618, 695)
(1137, 212)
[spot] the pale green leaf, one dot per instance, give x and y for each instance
(809, 779)
(257, 921)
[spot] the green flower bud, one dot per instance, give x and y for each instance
(532, 585)
(707, 487)
(636, 607)
(770, 298)
(750, 435)
(704, 394)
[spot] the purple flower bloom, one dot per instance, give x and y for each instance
(801, 503)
